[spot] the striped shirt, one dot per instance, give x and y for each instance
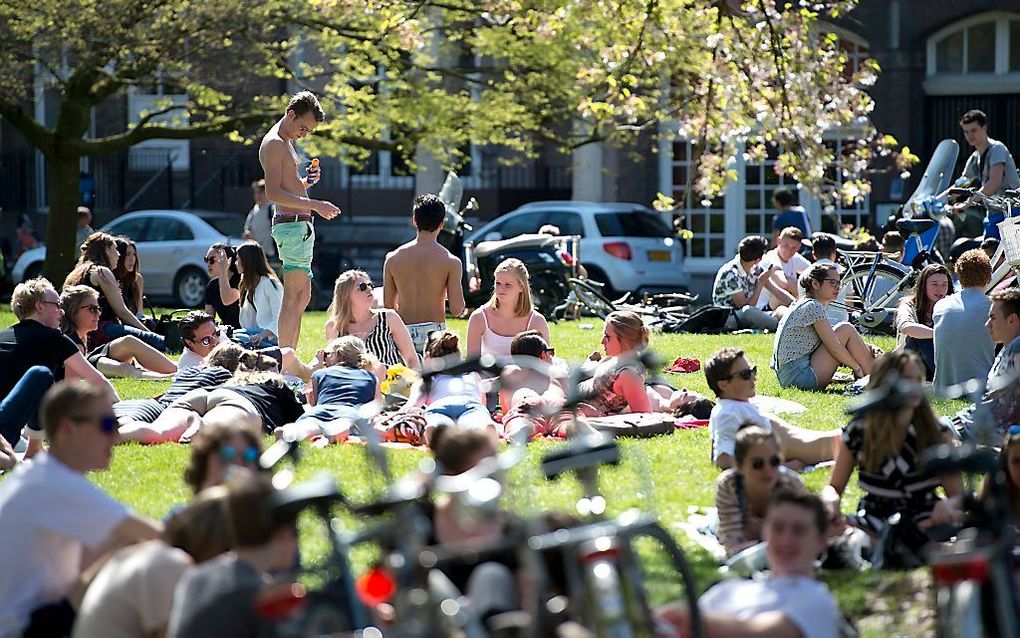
(380, 341)
(899, 485)
(188, 379)
(739, 527)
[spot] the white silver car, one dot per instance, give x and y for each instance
(171, 250)
(627, 246)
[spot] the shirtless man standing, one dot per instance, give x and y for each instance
(292, 223)
(422, 275)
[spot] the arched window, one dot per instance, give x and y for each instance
(977, 54)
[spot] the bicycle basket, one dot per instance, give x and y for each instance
(1009, 232)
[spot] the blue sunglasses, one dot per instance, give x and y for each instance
(1014, 430)
(107, 423)
(230, 454)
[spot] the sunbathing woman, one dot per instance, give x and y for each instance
(255, 398)
(529, 398)
(115, 358)
(453, 399)
(807, 348)
(351, 378)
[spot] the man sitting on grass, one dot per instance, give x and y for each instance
(731, 376)
(53, 521)
(788, 264)
(740, 283)
(789, 602)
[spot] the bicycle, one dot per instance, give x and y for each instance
(656, 308)
(976, 592)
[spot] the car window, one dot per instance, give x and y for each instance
(167, 229)
(229, 225)
(133, 228)
(568, 223)
(519, 225)
(636, 223)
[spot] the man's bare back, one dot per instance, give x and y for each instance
(419, 277)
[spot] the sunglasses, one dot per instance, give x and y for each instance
(210, 260)
(365, 285)
(746, 374)
(551, 351)
(107, 423)
(759, 463)
(93, 308)
(1014, 430)
(55, 303)
(205, 341)
(230, 454)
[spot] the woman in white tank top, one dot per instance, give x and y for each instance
(492, 327)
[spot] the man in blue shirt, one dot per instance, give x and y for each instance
(790, 214)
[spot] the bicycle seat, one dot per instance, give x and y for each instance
(915, 226)
(584, 452)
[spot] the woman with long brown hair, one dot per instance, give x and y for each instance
(99, 256)
(132, 285)
(352, 312)
(116, 358)
(885, 445)
(914, 329)
(261, 296)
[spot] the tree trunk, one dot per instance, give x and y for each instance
(61, 252)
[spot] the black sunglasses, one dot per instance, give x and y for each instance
(551, 351)
(759, 463)
(365, 285)
(205, 341)
(93, 308)
(746, 374)
(210, 260)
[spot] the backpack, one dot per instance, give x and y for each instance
(704, 320)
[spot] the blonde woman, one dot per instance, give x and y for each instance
(352, 312)
(116, 358)
(509, 312)
(352, 377)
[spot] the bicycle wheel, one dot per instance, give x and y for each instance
(861, 290)
(591, 298)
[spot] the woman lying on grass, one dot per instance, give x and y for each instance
(351, 379)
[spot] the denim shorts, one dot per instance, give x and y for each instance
(295, 241)
(798, 373)
(470, 415)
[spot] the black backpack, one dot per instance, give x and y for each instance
(704, 320)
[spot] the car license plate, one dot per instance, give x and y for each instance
(658, 255)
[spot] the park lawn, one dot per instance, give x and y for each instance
(666, 475)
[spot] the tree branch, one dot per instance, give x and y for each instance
(122, 141)
(37, 134)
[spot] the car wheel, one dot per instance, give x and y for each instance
(189, 287)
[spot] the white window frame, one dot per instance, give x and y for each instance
(1001, 80)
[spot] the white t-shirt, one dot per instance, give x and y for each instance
(48, 513)
(132, 594)
(804, 601)
(189, 359)
(726, 418)
(791, 269)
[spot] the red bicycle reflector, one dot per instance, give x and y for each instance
(375, 586)
(975, 568)
(567, 258)
(281, 602)
(618, 249)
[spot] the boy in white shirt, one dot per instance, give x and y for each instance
(788, 263)
(53, 522)
(731, 376)
(789, 602)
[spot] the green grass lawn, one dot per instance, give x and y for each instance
(665, 475)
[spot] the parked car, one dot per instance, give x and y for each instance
(171, 248)
(627, 246)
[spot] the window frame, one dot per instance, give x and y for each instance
(1001, 79)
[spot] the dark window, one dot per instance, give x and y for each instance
(568, 223)
(518, 225)
(166, 229)
(636, 223)
(229, 225)
(133, 228)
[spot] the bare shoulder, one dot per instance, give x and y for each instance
(272, 146)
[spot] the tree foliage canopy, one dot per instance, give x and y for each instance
(729, 76)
